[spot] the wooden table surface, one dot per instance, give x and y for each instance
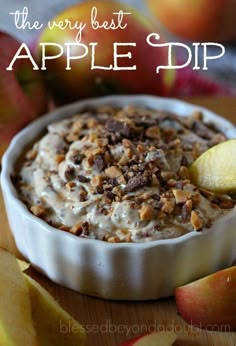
(108, 323)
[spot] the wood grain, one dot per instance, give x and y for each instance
(108, 323)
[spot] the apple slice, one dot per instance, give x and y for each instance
(153, 339)
(215, 169)
(53, 324)
(16, 324)
(210, 302)
(23, 264)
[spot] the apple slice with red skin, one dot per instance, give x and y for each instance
(23, 96)
(210, 302)
(153, 339)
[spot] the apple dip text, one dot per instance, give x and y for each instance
(83, 50)
(122, 57)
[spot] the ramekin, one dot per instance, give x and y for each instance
(127, 271)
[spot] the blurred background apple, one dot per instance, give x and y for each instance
(23, 96)
(197, 20)
(81, 81)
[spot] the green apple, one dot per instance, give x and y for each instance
(96, 73)
(210, 302)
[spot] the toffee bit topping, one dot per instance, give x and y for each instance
(136, 182)
(109, 195)
(103, 211)
(31, 155)
(99, 163)
(116, 126)
(83, 195)
(59, 158)
(113, 182)
(97, 181)
(146, 213)
(80, 229)
(122, 166)
(168, 206)
(196, 221)
(70, 185)
(83, 179)
(181, 196)
(38, 210)
(69, 173)
(77, 159)
(156, 197)
(113, 172)
(157, 205)
(184, 161)
(186, 211)
(85, 229)
(153, 132)
(227, 204)
(99, 189)
(64, 228)
(184, 173)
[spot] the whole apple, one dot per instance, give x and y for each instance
(105, 67)
(23, 95)
(197, 20)
(210, 302)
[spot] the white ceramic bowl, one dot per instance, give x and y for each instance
(122, 270)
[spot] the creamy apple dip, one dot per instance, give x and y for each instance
(121, 175)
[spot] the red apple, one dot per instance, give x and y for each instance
(153, 339)
(198, 20)
(23, 96)
(210, 302)
(81, 81)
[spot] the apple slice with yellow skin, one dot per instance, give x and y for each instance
(16, 323)
(215, 169)
(153, 339)
(210, 302)
(53, 324)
